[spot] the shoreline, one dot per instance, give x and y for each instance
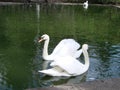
(10, 3)
(105, 84)
(56, 3)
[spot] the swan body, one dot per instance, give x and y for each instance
(68, 65)
(85, 5)
(64, 48)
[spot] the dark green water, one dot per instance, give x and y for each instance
(20, 54)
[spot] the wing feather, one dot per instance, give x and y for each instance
(69, 64)
(66, 47)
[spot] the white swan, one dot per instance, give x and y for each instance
(68, 66)
(85, 5)
(64, 48)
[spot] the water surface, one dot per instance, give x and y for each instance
(20, 54)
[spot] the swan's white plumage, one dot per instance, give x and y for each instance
(66, 47)
(85, 5)
(68, 66)
(56, 71)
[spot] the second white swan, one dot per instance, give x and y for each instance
(85, 5)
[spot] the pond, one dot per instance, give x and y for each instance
(21, 54)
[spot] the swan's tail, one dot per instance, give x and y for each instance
(54, 72)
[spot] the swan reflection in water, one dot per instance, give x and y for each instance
(64, 80)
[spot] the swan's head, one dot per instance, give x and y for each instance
(85, 46)
(43, 37)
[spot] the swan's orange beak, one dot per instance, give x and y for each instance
(40, 40)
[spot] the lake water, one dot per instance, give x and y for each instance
(21, 54)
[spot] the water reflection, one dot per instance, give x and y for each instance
(38, 15)
(106, 65)
(64, 80)
(21, 55)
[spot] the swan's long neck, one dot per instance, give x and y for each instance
(45, 48)
(86, 58)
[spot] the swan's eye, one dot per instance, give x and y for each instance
(42, 37)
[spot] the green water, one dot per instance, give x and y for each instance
(20, 54)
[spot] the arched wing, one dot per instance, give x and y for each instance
(69, 64)
(66, 47)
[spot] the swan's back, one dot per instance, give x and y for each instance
(66, 47)
(69, 64)
(72, 65)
